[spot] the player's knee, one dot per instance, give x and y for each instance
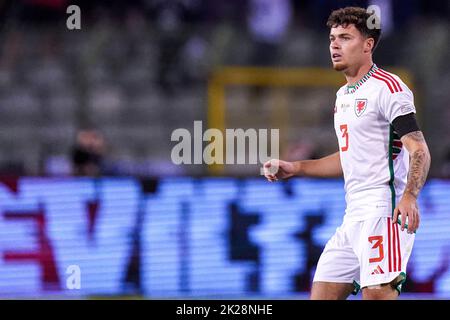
(330, 291)
(372, 293)
(380, 292)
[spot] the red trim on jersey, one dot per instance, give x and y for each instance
(392, 78)
(397, 143)
(398, 248)
(384, 80)
(389, 243)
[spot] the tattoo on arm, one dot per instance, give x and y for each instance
(418, 166)
(416, 136)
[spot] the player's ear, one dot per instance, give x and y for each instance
(368, 45)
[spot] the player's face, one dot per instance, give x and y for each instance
(347, 47)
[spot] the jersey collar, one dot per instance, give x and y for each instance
(349, 89)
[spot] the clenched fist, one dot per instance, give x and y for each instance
(275, 169)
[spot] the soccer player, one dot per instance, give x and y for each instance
(384, 159)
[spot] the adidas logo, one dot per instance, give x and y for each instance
(377, 270)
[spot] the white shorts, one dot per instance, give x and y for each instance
(366, 253)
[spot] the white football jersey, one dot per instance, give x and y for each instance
(374, 162)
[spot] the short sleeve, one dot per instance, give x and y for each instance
(398, 103)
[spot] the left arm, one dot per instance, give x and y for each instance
(420, 160)
(419, 165)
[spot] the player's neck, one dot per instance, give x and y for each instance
(353, 75)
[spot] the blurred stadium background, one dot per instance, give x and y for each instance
(86, 118)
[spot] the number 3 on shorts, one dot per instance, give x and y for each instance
(377, 242)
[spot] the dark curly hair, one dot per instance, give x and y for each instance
(358, 17)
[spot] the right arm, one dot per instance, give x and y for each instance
(326, 167)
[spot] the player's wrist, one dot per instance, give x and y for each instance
(298, 168)
(410, 194)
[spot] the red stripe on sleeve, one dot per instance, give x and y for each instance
(384, 80)
(390, 80)
(396, 83)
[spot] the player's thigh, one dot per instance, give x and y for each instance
(331, 290)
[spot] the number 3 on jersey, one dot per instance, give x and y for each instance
(344, 130)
